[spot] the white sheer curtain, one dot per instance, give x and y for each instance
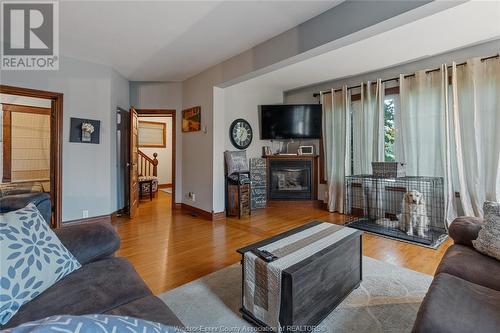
(476, 120)
(336, 140)
(442, 130)
(368, 127)
(423, 137)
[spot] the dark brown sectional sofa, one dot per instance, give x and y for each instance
(465, 293)
(105, 284)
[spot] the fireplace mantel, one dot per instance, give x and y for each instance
(301, 181)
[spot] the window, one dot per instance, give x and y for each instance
(152, 134)
(389, 128)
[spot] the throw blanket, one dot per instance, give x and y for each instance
(262, 285)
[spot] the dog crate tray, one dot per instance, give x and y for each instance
(370, 225)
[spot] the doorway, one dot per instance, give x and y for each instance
(32, 144)
(156, 154)
(151, 146)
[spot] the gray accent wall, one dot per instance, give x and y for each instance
(89, 170)
(198, 147)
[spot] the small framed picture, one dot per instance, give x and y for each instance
(84, 130)
(191, 119)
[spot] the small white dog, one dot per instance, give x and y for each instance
(414, 214)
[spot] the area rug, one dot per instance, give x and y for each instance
(387, 301)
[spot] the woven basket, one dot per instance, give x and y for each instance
(389, 169)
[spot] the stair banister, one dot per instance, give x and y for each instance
(147, 163)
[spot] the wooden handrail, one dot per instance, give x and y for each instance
(147, 163)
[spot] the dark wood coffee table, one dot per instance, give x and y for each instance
(313, 287)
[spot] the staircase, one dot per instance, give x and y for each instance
(148, 167)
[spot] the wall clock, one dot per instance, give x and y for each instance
(240, 133)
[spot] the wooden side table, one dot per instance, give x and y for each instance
(147, 181)
(238, 195)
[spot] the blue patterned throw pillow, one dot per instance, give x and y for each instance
(92, 324)
(32, 259)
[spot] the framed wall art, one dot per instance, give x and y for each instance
(84, 130)
(191, 119)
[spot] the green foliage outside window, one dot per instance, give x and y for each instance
(389, 129)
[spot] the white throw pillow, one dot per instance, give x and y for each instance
(32, 259)
(488, 240)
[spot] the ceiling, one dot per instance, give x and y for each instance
(173, 40)
(423, 38)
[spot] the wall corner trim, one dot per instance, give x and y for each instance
(210, 216)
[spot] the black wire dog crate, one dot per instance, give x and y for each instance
(405, 208)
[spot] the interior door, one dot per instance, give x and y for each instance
(134, 171)
(123, 153)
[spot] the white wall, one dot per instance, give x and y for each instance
(242, 101)
(164, 154)
(238, 101)
(163, 95)
(89, 170)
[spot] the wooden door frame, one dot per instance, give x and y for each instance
(165, 113)
(56, 134)
(133, 136)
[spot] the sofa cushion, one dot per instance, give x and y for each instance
(465, 229)
(236, 161)
(455, 305)
(488, 239)
(149, 308)
(95, 288)
(92, 323)
(40, 200)
(32, 259)
(89, 241)
(468, 264)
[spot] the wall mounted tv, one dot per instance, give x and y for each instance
(290, 121)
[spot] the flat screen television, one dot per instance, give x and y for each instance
(290, 121)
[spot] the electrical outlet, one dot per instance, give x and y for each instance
(85, 213)
(192, 196)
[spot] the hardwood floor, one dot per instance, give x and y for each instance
(169, 248)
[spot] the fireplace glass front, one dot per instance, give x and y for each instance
(290, 180)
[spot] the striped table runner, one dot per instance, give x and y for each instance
(262, 285)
